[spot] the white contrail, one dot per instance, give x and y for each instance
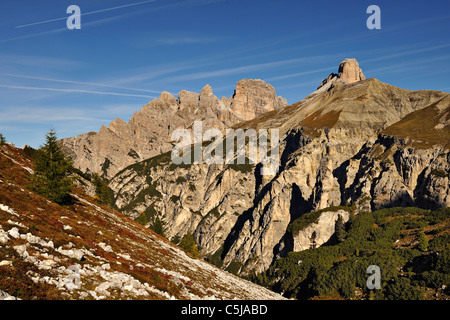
(77, 82)
(87, 13)
(76, 91)
(298, 74)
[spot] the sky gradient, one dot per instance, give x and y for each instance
(128, 51)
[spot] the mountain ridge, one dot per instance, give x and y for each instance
(148, 132)
(333, 152)
(355, 145)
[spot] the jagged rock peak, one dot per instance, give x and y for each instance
(167, 97)
(148, 132)
(117, 125)
(348, 72)
(253, 86)
(206, 91)
(253, 97)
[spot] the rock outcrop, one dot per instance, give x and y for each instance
(148, 132)
(317, 233)
(254, 97)
(348, 72)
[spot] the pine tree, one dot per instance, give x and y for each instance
(103, 192)
(51, 171)
(312, 240)
(2, 140)
(158, 226)
(423, 242)
(340, 229)
(188, 244)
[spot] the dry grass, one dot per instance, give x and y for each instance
(420, 127)
(88, 227)
(318, 121)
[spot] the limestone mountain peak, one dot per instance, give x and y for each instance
(206, 91)
(148, 132)
(353, 141)
(348, 72)
(255, 92)
(351, 144)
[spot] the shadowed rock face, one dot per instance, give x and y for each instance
(364, 143)
(148, 133)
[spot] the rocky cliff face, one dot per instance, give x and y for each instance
(254, 97)
(205, 200)
(334, 154)
(148, 133)
(352, 142)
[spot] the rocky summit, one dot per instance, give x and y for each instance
(348, 72)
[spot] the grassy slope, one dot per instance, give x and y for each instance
(112, 245)
(46, 220)
(420, 127)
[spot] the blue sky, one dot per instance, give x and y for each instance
(128, 51)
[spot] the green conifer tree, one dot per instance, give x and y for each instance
(51, 171)
(2, 140)
(158, 226)
(103, 192)
(188, 244)
(423, 242)
(340, 229)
